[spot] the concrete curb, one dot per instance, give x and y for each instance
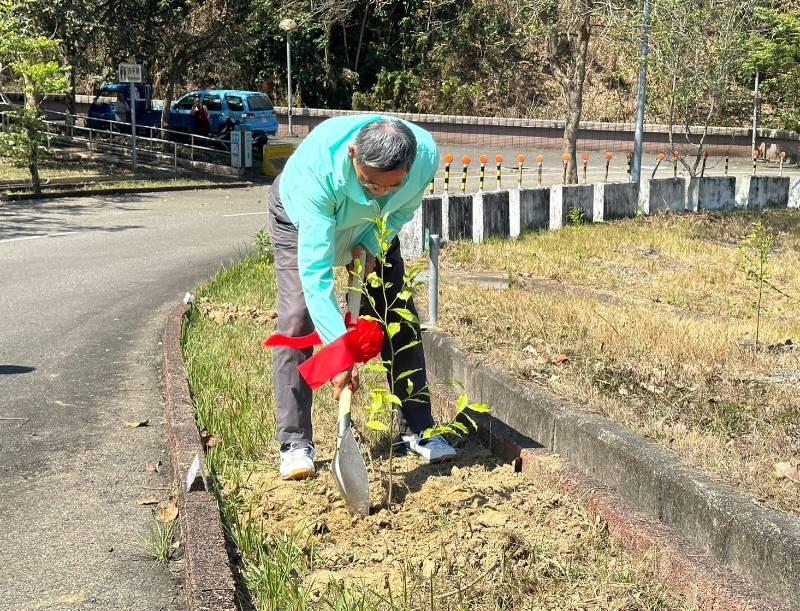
(58, 195)
(209, 583)
(761, 545)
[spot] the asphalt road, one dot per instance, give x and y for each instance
(85, 288)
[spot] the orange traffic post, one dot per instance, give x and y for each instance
(431, 186)
(566, 157)
(484, 159)
(629, 156)
(498, 159)
(780, 168)
(755, 156)
(585, 163)
(703, 167)
(520, 161)
(609, 157)
(465, 160)
(539, 162)
(675, 156)
(448, 159)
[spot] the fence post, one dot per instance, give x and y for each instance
(466, 159)
(91, 145)
(433, 283)
(192, 148)
(175, 158)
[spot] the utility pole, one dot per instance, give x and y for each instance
(288, 26)
(641, 100)
(755, 112)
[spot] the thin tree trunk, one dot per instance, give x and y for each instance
(361, 36)
(344, 44)
(33, 161)
(169, 92)
(72, 89)
(328, 56)
(30, 99)
(575, 99)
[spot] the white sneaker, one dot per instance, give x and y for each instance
(297, 460)
(434, 450)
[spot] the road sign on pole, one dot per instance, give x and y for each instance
(130, 73)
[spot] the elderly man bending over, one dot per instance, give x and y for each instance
(345, 174)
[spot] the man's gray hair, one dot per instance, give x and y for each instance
(386, 145)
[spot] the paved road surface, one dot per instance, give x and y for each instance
(85, 287)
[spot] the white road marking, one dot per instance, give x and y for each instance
(36, 237)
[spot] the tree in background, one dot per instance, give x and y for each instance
(773, 50)
(697, 50)
(188, 32)
(31, 58)
(76, 24)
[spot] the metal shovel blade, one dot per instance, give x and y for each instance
(349, 469)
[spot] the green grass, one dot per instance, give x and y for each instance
(564, 561)
(160, 541)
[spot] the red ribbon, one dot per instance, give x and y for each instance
(362, 342)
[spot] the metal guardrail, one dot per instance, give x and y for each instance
(148, 145)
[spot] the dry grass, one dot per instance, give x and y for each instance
(657, 321)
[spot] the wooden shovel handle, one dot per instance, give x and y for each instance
(344, 411)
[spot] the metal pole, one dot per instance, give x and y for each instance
(755, 111)
(175, 157)
(433, 283)
(641, 100)
(133, 125)
(289, 80)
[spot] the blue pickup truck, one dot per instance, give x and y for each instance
(103, 108)
(227, 108)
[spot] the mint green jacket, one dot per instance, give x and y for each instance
(333, 213)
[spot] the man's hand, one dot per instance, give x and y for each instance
(369, 265)
(349, 377)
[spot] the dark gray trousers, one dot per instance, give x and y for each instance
(292, 394)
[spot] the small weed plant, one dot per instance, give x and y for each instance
(576, 217)
(263, 244)
(756, 249)
(385, 401)
(160, 543)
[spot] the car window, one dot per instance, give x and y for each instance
(186, 102)
(259, 102)
(235, 103)
(212, 102)
(106, 93)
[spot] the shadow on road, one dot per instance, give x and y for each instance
(40, 218)
(15, 369)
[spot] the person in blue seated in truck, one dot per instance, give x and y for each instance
(347, 172)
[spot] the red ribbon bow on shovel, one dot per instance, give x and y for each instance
(362, 342)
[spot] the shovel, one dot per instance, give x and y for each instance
(349, 469)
